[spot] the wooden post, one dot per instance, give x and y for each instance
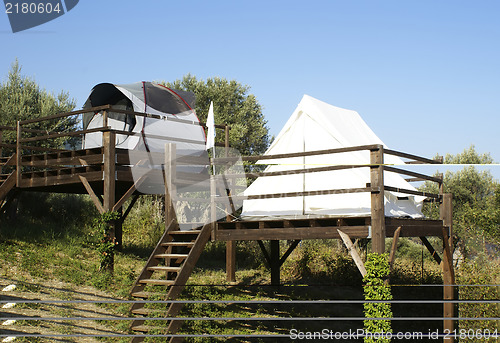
(170, 175)
(275, 262)
(105, 118)
(18, 155)
(446, 214)
(108, 142)
(230, 245)
(377, 199)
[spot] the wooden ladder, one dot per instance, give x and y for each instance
(168, 268)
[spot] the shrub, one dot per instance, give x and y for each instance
(377, 271)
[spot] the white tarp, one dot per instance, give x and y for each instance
(316, 125)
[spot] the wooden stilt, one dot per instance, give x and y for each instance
(377, 199)
(447, 267)
(109, 141)
(231, 261)
(275, 262)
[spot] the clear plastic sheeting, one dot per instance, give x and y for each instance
(187, 177)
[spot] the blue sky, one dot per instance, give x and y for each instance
(424, 75)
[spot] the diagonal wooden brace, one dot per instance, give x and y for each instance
(354, 253)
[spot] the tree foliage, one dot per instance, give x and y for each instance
(233, 105)
(22, 98)
(476, 196)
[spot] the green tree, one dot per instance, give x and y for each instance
(22, 98)
(475, 197)
(233, 106)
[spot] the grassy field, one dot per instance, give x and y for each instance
(53, 259)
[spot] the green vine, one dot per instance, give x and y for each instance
(377, 271)
(103, 240)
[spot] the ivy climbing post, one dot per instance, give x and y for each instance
(375, 289)
(103, 240)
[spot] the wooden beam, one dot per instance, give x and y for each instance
(290, 233)
(412, 192)
(129, 193)
(307, 153)
(62, 134)
(92, 194)
(291, 248)
(377, 199)
(431, 249)
(306, 193)
(411, 173)
(129, 208)
(412, 157)
(264, 252)
(354, 253)
(66, 114)
(394, 247)
(302, 171)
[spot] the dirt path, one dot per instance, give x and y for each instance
(57, 291)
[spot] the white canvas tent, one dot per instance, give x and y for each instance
(176, 109)
(316, 125)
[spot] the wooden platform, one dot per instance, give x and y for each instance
(322, 228)
(61, 172)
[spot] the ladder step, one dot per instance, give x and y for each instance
(186, 232)
(172, 256)
(177, 244)
(147, 311)
(142, 328)
(157, 282)
(165, 269)
(145, 295)
(147, 328)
